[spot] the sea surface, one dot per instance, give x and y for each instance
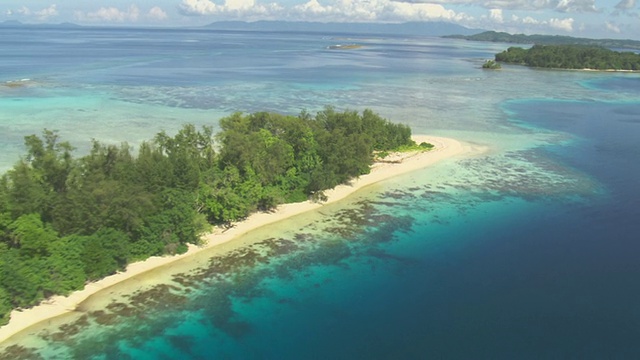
(530, 250)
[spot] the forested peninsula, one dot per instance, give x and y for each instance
(571, 57)
(67, 220)
(504, 37)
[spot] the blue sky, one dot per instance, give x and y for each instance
(588, 18)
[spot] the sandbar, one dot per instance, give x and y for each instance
(393, 165)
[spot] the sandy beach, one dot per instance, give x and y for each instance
(394, 165)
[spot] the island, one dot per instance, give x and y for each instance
(16, 83)
(70, 227)
(582, 57)
(503, 37)
(344, 47)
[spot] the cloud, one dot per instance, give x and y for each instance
(496, 15)
(23, 11)
(626, 5)
(373, 10)
(524, 5)
(562, 24)
(156, 13)
(115, 15)
(231, 8)
(327, 10)
(198, 7)
(496, 20)
(46, 13)
(43, 14)
(571, 6)
(109, 14)
(612, 27)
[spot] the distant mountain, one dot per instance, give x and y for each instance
(409, 28)
(18, 24)
(11, 23)
(493, 36)
(431, 28)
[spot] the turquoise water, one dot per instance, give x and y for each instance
(526, 251)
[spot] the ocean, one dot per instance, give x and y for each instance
(527, 251)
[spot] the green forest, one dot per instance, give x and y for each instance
(67, 220)
(570, 57)
(504, 37)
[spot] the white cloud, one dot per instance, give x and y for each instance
(576, 6)
(232, 8)
(156, 13)
(198, 7)
(562, 24)
(496, 15)
(626, 4)
(42, 14)
(110, 14)
(332, 10)
(418, 12)
(23, 11)
(526, 24)
(612, 27)
(373, 10)
(47, 12)
(557, 5)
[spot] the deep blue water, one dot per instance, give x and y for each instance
(529, 251)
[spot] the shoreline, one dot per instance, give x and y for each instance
(394, 165)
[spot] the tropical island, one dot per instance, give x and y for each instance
(67, 221)
(581, 57)
(493, 36)
(344, 47)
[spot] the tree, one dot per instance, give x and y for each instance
(178, 223)
(23, 279)
(31, 236)
(104, 253)
(66, 265)
(571, 57)
(5, 306)
(491, 65)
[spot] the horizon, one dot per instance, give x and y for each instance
(470, 31)
(611, 19)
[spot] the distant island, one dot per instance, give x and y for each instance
(493, 36)
(571, 57)
(344, 47)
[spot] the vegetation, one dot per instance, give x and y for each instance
(571, 57)
(407, 148)
(66, 220)
(344, 47)
(491, 65)
(548, 40)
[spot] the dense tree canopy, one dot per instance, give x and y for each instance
(66, 220)
(571, 57)
(548, 40)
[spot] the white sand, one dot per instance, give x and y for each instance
(402, 163)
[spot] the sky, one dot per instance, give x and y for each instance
(584, 18)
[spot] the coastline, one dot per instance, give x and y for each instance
(394, 165)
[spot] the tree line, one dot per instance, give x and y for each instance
(504, 37)
(66, 220)
(571, 57)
